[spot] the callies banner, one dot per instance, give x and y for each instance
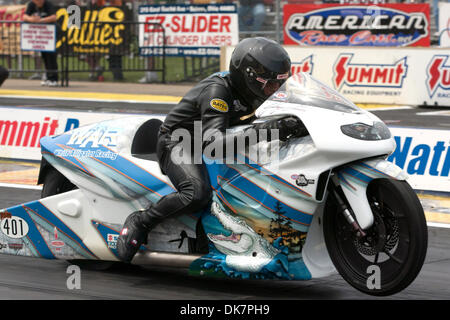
(390, 25)
(102, 30)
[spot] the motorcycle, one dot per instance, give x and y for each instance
(329, 202)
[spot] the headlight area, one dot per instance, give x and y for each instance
(362, 131)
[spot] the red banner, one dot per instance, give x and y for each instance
(391, 25)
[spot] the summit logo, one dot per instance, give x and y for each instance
(438, 73)
(368, 75)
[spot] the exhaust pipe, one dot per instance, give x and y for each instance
(164, 259)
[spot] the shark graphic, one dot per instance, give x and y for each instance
(245, 250)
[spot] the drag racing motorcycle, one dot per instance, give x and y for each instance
(330, 202)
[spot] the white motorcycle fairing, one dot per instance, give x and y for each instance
(265, 218)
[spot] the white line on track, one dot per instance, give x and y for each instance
(20, 186)
(388, 108)
(434, 113)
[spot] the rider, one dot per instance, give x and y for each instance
(258, 67)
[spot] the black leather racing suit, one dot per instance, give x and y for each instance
(215, 103)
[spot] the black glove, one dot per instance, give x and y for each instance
(287, 127)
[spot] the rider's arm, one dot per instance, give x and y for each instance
(215, 105)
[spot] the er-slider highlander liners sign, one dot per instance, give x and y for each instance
(187, 30)
(360, 25)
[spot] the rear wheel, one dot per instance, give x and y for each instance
(391, 254)
(56, 183)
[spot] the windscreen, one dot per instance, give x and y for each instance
(302, 89)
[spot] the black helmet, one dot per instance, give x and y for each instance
(258, 67)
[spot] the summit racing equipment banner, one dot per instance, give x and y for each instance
(402, 76)
(357, 25)
(188, 30)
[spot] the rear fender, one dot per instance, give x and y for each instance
(354, 179)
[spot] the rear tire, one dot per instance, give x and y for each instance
(394, 248)
(55, 183)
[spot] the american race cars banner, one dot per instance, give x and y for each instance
(187, 30)
(390, 25)
(444, 24)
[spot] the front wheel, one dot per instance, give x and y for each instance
(391, 254)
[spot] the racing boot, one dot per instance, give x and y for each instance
(134, 233)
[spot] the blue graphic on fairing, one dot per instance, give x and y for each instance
(251, 233)
(239, 208)
(360, 174)
(43, 225)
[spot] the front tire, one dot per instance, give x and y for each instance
(392, 253)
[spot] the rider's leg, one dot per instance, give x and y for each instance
(193, 193)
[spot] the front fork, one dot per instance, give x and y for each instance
(353, 180)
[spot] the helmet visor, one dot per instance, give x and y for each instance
(270, 86)
(265, 87)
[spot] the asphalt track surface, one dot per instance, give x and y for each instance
(31, 278)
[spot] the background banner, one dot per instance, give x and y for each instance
(10, 32)
(390, 25)
(444, 24)
(190, 30)
(401, 76)
(38, 37)
(92, 36)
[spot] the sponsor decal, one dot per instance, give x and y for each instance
(280, 96)
(368, 75)
(306, 65)
(438, 76)
(358, 25)
(219, 105)
(96, 137)
(301, 180)
(3, 246)
(112, 240)
(79, 154)
(15, 246)
(56, 243)
(4, 214)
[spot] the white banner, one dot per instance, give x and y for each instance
(444, 24)
(404, 76)
(38, 37)
(21, 129)
(424, 154)
(189, 30)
